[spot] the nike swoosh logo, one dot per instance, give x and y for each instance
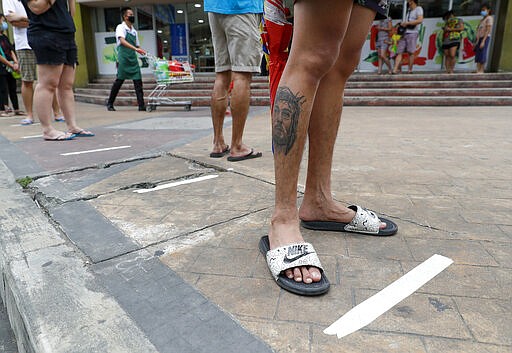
(287, 259)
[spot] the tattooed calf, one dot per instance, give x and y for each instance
(285, 118)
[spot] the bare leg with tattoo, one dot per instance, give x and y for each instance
(308, 100)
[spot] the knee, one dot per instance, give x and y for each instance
(315, 63)
(222, 80)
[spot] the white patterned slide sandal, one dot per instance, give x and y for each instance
(364, 222)
(290, 256)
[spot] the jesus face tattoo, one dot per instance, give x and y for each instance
(285, 118)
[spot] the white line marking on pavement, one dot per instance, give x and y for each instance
(31, 137)
(97, 150)
(177, 183)
(364, 313)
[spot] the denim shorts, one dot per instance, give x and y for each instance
(53, 48)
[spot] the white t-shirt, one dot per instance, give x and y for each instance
(413, 15)
(121, 31)
(20, 34)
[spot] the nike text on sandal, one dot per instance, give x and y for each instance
(364, 222)
(291, 256)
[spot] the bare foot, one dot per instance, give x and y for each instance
(285, 231)
(327, 210)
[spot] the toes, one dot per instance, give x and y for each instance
(306, 275)
(297, 274)
(289, 273)
(383, 225)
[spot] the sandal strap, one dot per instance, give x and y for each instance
(365, 221)
(290, 256)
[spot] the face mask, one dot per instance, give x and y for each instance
(4, 26)
(131, 19)
(483, 13)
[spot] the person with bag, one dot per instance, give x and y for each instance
(9, 71)
(409, 39)
(452, 29)
(51, 35)
(385, 27)
(128, 67)
(16, 15)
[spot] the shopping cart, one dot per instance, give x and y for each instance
(167, 73)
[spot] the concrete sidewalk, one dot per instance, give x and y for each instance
(103, 262)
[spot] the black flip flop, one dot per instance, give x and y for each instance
(249, 155)
(300, 288)
(220, 154)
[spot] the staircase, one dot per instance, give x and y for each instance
(422, 89)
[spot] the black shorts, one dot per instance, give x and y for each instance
(53, 48)
(380, 6)
(451, 45)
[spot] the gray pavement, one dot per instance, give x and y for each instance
(95, 258)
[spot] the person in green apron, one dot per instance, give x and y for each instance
(128, 64)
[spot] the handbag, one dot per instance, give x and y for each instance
(400, 30)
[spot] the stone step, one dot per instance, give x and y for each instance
(381, 92)
(349, 100)
(358, 77)
(149, 85)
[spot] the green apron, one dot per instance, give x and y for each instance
(128, 68)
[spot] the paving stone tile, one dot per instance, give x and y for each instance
(368, 273)
(485, 232)
(485, 210)
(491, 188)
(251, 297)
(221, 261)
(420, 314)
(364, 342)
(464, 280)
(501, 252)
(488, 319)
(460, 251)
(282, 337)
(152, 170)
(92, 233)
(329, 243)
(364, 246)
(441, 345)
(506, 229)
(160, 215)
(406, 189)
(181, 260)
(322, 310)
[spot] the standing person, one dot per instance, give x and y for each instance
(17, 16)
(237, 51)
(9, 63)
(385, 27)
(408, 41)
(327, 41)
(51, 34)
(483, 37)
(452, 29)
(128, 65)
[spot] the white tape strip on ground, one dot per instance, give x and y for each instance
(97, 150)
(177, 183)
(364, 313)
(32, 137)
